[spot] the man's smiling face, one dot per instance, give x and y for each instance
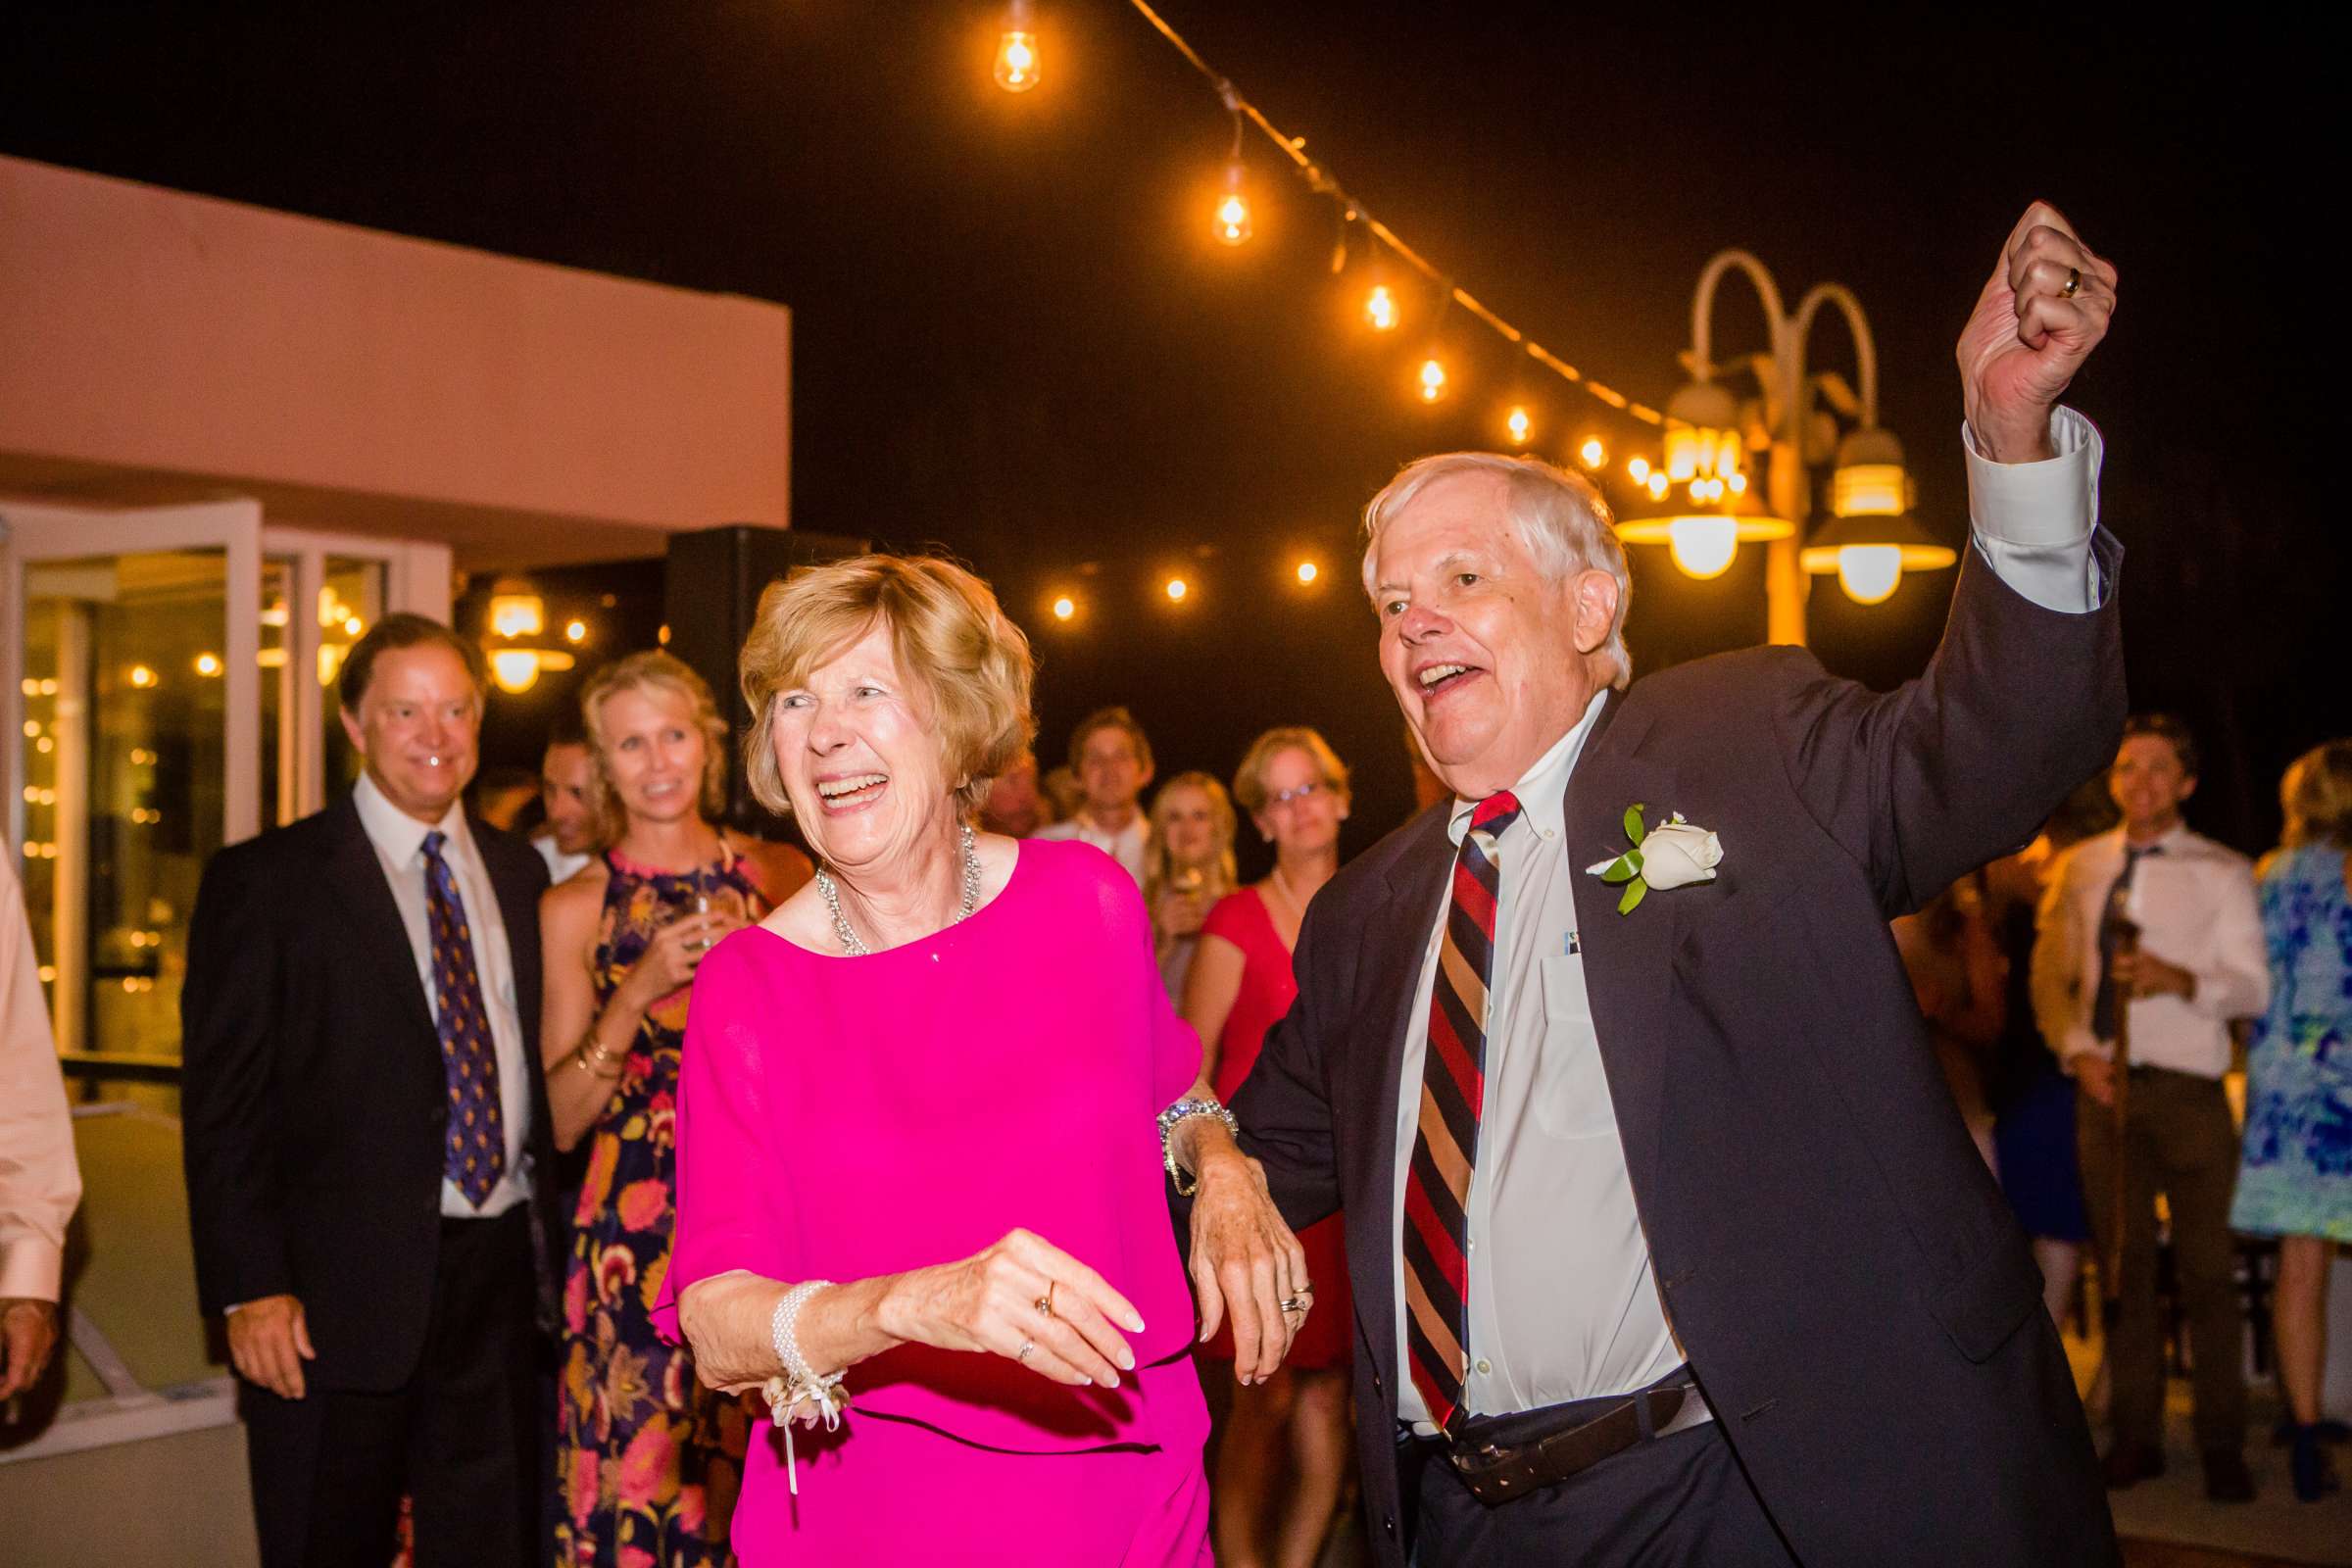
(1480, 645)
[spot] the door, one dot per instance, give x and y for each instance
(129, 681)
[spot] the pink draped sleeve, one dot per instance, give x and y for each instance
(727, 1216)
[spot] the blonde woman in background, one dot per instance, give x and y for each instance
(1294, 789)
(1188, 866)
(2294, 1178)
(648, 1462)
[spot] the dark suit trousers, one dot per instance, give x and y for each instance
(2182, 1142)
(459, 1437)
(1680, 1500)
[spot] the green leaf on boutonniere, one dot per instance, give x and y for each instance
(1633, 823)
(1624, 868)
(1633, 895)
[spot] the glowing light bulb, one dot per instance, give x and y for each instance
(208, 663)
(1870, 573)
(516, 669)
(1658, 484)
(1739, 484)
(1018, 60)
(1177, 589)
(575, 632)
(1519, 425)
(1380, 309)
(1232, 225)
(1702, 546)
(142, 677)
(1638, 470)
(1309, 572)
(1592, 453)
(1065, 607)
(1432, 379)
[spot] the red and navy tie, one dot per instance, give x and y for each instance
(475, 1153)
(1454, 1084)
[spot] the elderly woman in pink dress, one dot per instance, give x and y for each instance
(916, 1174)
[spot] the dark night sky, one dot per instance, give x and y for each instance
(1014, 340)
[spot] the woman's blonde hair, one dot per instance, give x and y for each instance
(947, 634)
(653, 670)
(1249, 779)
(1160, 865)
(2317, 793)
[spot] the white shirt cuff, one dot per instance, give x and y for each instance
(2033, 521)
(33, 1267)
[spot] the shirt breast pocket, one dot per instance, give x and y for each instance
(1571, 1089)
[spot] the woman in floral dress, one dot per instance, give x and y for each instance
(648, 1460)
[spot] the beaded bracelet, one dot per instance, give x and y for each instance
(801, 1384)
(1183, 1111)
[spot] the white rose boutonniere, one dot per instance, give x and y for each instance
(1673, 855)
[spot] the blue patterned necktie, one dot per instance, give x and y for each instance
(475, 1153)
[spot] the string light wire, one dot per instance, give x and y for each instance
(1324, 182)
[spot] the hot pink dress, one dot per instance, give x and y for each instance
(843, 1117)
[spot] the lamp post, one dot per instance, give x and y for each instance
(1872, 539)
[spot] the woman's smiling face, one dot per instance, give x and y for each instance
(859, 757)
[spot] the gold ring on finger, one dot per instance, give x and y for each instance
(1045, 1302)
(2074, 283)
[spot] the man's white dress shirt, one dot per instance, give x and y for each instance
(1128, 846)
(1562, 1304)
(40, 1182)
(2194, 903)
(399, 841)
(560, 866)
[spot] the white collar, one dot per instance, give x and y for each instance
(399, 836)
(1543, 790)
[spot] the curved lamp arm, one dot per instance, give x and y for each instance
(1703, 308)
(1866, 349)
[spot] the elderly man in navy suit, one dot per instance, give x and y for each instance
(1666, 1242)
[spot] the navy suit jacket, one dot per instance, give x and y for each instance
(1860, 1307)
(313, 1097)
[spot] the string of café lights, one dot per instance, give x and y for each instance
(1019, 66)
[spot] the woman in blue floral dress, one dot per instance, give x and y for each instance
(648, 1460)
(2295, 1179)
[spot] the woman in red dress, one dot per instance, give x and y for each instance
(1295, 791)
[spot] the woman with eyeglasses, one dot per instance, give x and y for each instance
(1294, 789)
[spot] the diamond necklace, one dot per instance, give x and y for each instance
(840, 923)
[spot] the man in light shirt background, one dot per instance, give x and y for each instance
(567, 836)
(2198, 964)
(39, 1181)
(1112, 758)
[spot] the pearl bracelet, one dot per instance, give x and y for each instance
(1182, 1110)
(801, 1384)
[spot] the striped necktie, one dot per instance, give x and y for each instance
(474, 1156)
(1453, 1082)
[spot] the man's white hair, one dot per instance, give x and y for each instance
(1563, 520)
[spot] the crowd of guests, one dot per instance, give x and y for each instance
(384, 1228)
(2089, 997)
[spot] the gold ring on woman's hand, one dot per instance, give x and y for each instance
(2074, 283)
(1045, 1302)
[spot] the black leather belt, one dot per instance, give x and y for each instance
(1502, 1458)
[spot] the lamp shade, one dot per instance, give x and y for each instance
(1870, 553)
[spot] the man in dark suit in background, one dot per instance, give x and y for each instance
(1666, 1242)
(367, 1136)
